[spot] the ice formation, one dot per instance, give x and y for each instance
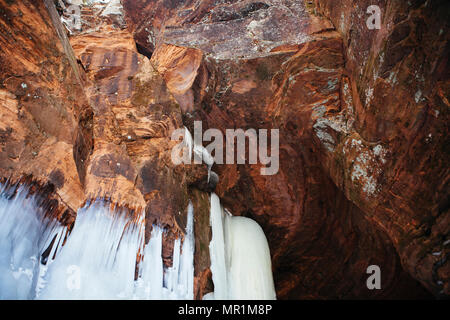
(201, 154)
(240, 257)
(217, 250)
(178, 281)
(98, 260)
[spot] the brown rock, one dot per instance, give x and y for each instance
(362, 116)
(45, 133)
(311, 88)
(393, 162)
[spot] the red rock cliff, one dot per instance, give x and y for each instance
(362, 114)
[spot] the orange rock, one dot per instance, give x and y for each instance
(343, 102)
(44, 117)
(362, 115)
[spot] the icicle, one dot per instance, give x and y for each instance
(178, 281)
(172, 273)
(217, 250)
(240, 257)
(99, 258)
(186, 279)
(249, 264)
(151, 278)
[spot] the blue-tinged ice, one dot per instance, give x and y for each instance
(25, 233)
(98, 259)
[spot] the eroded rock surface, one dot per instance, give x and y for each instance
(134, 117)
(393, 162)
(349, 131)
(89, 118)
(362, 115)
(45, 116)
(221, 29)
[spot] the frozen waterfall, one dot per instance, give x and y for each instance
(240, 257)
(25, 233)
(40, 259)
(98, 259)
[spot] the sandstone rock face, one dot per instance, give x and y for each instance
(45, 115)
(362, 122)
(89, 118)
(393, 162)
(87, 109)
(134, 117)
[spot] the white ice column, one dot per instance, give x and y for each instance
(240, 257)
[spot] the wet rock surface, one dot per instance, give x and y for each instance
(41, 85)
(87, 112)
